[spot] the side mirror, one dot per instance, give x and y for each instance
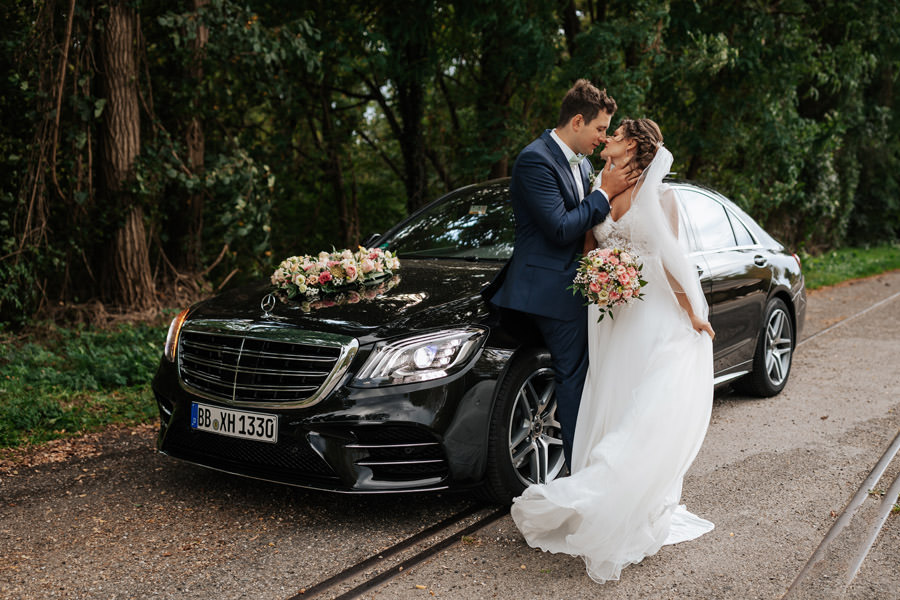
(369, 240)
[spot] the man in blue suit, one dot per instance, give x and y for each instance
(554, 209)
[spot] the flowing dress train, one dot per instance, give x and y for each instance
(644, 413)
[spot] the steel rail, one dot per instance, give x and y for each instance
(845, 519)
(423, 555)
(848, 319)
(380, 556)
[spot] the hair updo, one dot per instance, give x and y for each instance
(648, 137)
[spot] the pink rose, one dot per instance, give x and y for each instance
(595, 287)
(350, 270)
(620, 270)
(632, 272)
(613, 260)
(324, 277)
(627, 294)
(367, 265)
(624, 279)
(613, 296)
(603, 277)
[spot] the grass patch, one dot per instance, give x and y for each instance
(849, 263)
(76, 380)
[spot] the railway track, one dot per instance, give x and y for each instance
(393, 561)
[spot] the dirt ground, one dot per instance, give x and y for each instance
(105, 516)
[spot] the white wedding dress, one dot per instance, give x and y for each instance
(643, 416)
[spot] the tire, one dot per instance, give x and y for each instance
(524, 443)
(774, 350)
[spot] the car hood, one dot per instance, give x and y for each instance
(423, 294)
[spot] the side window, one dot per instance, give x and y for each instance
(708, 219)
(740, 232)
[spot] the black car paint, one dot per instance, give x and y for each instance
(453, 412)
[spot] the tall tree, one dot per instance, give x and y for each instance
(128, 264)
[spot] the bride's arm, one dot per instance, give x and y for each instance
(590, 242)
(670, 208)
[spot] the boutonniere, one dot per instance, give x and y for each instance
(594, 176)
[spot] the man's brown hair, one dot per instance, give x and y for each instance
(586, 100)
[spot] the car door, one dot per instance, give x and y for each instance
(736, 279)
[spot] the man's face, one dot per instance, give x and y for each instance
(590, 135)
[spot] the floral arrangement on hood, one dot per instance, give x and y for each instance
(330, 272)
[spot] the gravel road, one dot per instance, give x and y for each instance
(106, 517)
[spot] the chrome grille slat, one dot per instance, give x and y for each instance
(259, 365)
(232, 368)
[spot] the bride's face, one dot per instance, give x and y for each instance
(617, 145)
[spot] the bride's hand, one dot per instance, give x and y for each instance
(701, 325)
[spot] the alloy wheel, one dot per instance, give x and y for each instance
(779, 345)
(535, 441)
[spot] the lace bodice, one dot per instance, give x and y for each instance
(624, 233)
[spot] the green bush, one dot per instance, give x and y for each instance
(76, 380)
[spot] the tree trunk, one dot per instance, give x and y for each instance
(129, 280)
(195, 153)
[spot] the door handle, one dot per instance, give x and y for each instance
(760, 260)
(699, 271)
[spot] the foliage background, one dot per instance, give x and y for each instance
(277, 127)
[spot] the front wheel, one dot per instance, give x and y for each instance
(525, 444)
(772, 360)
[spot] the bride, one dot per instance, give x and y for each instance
(648, 393)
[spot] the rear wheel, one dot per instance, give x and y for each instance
(774, 350)
(525, 443)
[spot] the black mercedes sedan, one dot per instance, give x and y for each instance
(415, 384)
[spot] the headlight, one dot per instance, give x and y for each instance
(420, 358)
(172, 336)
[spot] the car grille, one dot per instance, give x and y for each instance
(258, 371)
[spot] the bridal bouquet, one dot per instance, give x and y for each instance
(329, 272)
(609, 277)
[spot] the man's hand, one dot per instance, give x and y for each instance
(615, 181)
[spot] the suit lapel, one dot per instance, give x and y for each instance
(570, 199)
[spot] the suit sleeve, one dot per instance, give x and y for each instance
(536, 185)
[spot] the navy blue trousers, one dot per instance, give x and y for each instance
(567, 342)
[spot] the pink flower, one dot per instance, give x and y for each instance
(603, 277)
(613, 296)
(620, 271)
(632, 272)
(627, 294)
(624, 279)
(324, 277)
(367, 265)
(595, 287)
(625, 257)
(350, 270)
(613, 260)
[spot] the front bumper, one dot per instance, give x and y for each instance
(417, 437)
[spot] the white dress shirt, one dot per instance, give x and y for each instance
(576, 169)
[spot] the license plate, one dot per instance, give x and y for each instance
(234, 423)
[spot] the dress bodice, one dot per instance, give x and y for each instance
(624, 233)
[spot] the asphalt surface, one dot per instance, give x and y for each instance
(107, 517)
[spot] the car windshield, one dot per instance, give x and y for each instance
(473, 224)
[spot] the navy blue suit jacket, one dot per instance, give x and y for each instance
(550, 228)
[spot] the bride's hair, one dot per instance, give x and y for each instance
(648, 137)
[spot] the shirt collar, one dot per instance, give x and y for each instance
(566, 150)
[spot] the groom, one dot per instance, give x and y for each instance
(554, 208)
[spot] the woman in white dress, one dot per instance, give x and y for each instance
(648, 393)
